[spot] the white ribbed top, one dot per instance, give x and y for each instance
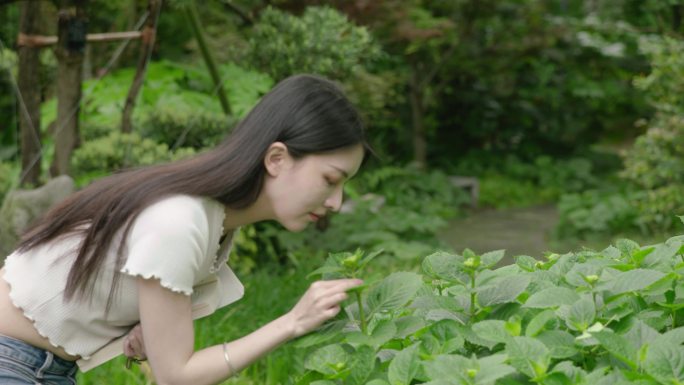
(175, 240)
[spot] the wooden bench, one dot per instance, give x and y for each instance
(471, 184)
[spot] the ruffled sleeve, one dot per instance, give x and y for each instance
(169, 241)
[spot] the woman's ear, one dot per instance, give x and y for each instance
(277, 158)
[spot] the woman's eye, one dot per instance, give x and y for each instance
(329, 182)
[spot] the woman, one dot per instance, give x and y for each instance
(129, 248)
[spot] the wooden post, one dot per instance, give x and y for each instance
(70, 50)
(147, 44)
(29, 89)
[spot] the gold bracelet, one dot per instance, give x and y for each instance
(227, 358)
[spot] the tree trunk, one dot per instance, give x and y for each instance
(29, 92)
(70, 50)
(147, 44)
(419, 140)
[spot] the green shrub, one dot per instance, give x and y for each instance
(596, 212)
(655, 164)
(657, 157)
(501, 191)
(118, 151)
(175, 127)
(321, 41)
(658, 208)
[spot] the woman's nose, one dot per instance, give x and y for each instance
(334, 201)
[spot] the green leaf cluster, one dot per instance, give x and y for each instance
(322, 41)
(117, 151)
(591, 317)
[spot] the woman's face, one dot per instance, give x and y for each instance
(304, 190)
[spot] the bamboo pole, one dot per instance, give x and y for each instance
(39, 41)
(193, 18)
(149, 34)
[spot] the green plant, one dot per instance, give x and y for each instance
(612, 316)
(118, 151)
(178, 127)
(321, 41)
(9, 177)
(596, 211)
(655, 163)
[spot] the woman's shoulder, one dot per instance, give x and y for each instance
(179, 210)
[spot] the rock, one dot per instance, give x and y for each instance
(22, 207)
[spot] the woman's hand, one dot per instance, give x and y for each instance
(320, 303)
(134, 346)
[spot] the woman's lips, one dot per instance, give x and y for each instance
(314, 217)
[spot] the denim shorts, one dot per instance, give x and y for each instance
(21, 364)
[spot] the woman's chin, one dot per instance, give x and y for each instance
(294, 226)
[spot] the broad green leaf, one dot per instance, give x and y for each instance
(325, 333)
(626, 246)
(675, 336)
(552, 297)
(447, 367)
(564, 264)
(404, 366)
(581, 314)
(557, 378)
(384, 331)
(577, 275)
(633, 280)
(362, 364)
(665, 362)
(492, 258)
(529, 356)
(492, 330)
(446, 329)
(377, 382)
(436, 302)
(470, 336)
(445, 266)
(570, 370)
(502, 290)
(640, 333)
(561, 344)
(538, 323)
(326, 359)
(526, 262)
(393, 292)
(492, 368)
(430, 344)
(638, 256)
(618, 346)
(408, 325)
(369, 258)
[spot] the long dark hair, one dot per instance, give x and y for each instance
(307, 113)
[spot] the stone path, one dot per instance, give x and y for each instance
(520, 231)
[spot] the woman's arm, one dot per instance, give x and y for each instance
(168, 333)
